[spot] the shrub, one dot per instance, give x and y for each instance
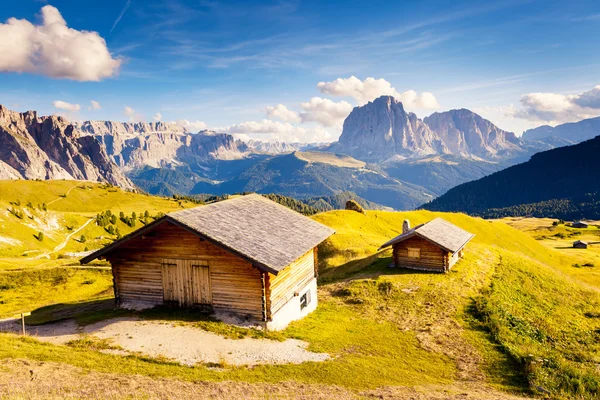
(82, 239)
(39, 236)
(352, 205)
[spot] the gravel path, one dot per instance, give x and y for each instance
(185, 344)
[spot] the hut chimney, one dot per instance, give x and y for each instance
(405, 226)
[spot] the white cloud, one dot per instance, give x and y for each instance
(94, 105)
(54, 50)
(371, 88)
(325, 111)
(132, 114)
(270, 130)
(157, 117)
(282, 113)
(63, 105)
(556, 108)
(192, 126)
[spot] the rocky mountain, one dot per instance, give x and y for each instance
(467, 134)
(562, 182)
(33, 147)
(382, 130)
(161, 145)
(573, 132)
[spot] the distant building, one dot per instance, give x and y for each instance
(580, 224)
(434, 246)
(247, 256)
(580, 244)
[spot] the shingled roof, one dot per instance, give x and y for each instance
(266, 233)
(438, 231)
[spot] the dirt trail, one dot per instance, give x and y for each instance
(61, 197)
(62, 245)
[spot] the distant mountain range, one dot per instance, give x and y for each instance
(385, 155)
(559, 183)
(33, 147)
(572, 132)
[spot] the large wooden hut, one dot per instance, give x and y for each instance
(580, 244)
(247, 256)
(580, 225)
(434, 246)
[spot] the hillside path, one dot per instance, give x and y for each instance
(61, 197)
(62, 245)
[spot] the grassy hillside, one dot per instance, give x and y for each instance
(496, 321)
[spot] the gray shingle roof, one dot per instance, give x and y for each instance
(439, 231)
(270, 235)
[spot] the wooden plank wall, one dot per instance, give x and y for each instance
(289, 280)
(236, 285)
(432, 257)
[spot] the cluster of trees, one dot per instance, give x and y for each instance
(292, 203)
(191, 199)
(564, 209)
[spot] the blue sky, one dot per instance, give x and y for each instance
(222, 64)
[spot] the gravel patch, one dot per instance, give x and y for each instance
(184, 344)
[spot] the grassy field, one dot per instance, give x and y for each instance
(339, 160)
(497, 320)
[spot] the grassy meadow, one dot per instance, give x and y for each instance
(514, 315)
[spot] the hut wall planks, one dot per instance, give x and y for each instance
(290, 280)
(431, 257)
(235, 284)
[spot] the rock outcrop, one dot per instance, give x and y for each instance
(382, 130)
(161, 145)
(33, 147)
(467, 134)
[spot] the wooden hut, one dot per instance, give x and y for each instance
(579, 244)
(580, 225)
(434, 246)
(247, 256)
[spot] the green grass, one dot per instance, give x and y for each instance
(25, 291)
(512, 311)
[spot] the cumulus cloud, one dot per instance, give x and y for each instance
(63, 105)
(325, 111)
(556, 108)
(132, 115)
(371, 88)
(157, 117)
(192, 126)
(94, 105)
(55, 50)
(282, 113)
(270, 130)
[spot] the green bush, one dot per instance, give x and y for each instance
(352, 205)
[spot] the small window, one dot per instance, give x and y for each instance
(305, 300)
(414, 253)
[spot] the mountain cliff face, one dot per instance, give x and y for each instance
(382, 129)
(33, 147)
(161, 145)
(467, 134)
(573, 132)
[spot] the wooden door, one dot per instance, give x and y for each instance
(186, 282)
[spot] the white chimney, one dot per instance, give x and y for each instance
(405, 226)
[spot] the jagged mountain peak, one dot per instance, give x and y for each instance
(49, 147)
(382, 129)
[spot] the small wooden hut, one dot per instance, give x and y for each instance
(247, 256)
(579, 244)
(434, 246)
(580, 225)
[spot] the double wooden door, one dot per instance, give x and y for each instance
(186, 282)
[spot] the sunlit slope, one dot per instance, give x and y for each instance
(61, 211)
(544, 320)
